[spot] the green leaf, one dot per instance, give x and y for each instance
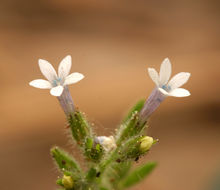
(91, 174)
(138, 174)
(137, 107)
(131, 126)
(82, 133)
(81, 130)
(115, 172)
(64, 160)
(59, 182)
(130, 129)
(130, 149)
(111, 157)
(98, 147)
(103, 188)
(89, 143)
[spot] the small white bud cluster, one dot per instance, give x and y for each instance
(108, 143)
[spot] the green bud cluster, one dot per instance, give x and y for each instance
(93, 150)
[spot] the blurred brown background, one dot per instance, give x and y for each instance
(112, 43)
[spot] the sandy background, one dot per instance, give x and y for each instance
(112, 43)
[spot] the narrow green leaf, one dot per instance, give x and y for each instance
(130, 129)
(64, 160)
(137, 107)
(89, 143)
(98, 147)
(111, 157)
(117, 171)
(131, 126)
(138, 174)
(81, 130)
(91, 174)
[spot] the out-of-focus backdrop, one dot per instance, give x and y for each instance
(112, 43)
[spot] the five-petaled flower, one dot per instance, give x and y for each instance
(56, 82)
(169, 88)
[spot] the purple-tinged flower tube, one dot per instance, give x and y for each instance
(58, 83)
(152, 103)
(164, 88)
(66, 101)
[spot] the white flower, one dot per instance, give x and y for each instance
(56, 82)
(108, 143)
(169, 88)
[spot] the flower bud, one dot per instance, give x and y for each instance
(146, 143)
(67, 182)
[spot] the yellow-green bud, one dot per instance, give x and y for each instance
(146, 143)
(67, 182)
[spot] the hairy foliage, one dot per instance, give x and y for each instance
(107, 168)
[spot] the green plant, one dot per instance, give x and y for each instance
(108, 159)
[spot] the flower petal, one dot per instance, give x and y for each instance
(64, 67)
(40, 83)
(178, 80)
(154, 75)
(179, 92)
(57, 91)
(73, 78)
(164, 92)
(47, 70)
(165, 71)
